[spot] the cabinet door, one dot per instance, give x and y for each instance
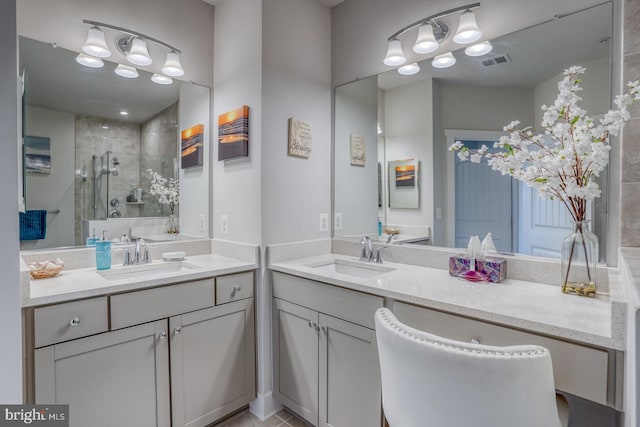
(295, 353)
(212, 363)
(350, 388)
(108, 378)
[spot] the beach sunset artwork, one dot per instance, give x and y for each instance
(37, 154)
(192, 153)
(233, 134)
(406, 176)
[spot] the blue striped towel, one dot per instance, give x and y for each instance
(33, 225)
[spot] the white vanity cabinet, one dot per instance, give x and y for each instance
(172, 356)
(325, 353)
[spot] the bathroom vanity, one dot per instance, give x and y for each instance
(167, 344)
(323, 328)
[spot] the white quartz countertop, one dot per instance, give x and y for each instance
(520, 304)
(87, 282)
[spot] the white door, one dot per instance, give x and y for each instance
(483, 201)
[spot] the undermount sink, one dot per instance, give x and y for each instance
(151, 270)
(351, 268)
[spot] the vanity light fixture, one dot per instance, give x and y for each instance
(89, 61)
(126, 71)
(479, 49)
(409, 69)
(431, 32)
(468, 30)
(161, 80)
(96, 45)
(134, 46)
(445, 60)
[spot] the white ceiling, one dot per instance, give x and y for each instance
(537, 53)
(329, 3)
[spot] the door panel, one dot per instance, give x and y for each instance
(212, 362)
(350, 387)
(105, 376)
(295, 345)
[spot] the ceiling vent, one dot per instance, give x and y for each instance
(496, 60)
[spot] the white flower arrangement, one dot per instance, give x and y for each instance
(564, 162)
(167, 190)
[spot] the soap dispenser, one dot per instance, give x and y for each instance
(103, 253)
(91, 240)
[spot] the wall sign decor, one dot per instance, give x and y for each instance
(233, 134)
(37, 154)
(404, 191)
(192, 153)
(358, 150)
(299, 138)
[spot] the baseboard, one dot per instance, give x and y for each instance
(264, 406)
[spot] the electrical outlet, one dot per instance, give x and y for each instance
(224, 224)
(337, 221)
(438, 213)
(203, 222)
(324, 222)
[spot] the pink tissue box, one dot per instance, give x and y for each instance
(492, 269)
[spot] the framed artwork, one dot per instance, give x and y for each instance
(403, 179)
(358, 150)
(233, 134)
(37, 154)
(299, 138)
(192, 153)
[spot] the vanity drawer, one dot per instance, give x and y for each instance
(134, 308)
(577, 369)
(63, 322)
(335, 301)
(234, 287)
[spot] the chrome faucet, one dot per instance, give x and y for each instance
(140, 256)
(367, 249)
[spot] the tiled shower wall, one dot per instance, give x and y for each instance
(158, 151)
(95, 136)
(630, 174)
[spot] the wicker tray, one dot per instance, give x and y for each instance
(45, 273)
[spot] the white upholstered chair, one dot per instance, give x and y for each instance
(430, 381)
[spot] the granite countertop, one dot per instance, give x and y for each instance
(81, 283)
(526, 305)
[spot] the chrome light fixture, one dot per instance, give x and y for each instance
(96, 45)
(172, 66)
(126, 71)
(409, 69)
(468, 30)
(479, 49)
(89, 61)
(134, 46)
(395, 55)
(445, 60)
(431, 32)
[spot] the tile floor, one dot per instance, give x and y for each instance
(245, 418)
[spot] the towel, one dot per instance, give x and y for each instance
(33, 225)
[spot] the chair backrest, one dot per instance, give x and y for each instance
(430, 381)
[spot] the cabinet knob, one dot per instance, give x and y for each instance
(310, 324)
(75, 321)
(324, 328)
(177, 330)
(163, 335)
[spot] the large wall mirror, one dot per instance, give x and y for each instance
(415, 118)
(90, 138)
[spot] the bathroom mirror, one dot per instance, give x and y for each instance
(418, 116)
(91, 137)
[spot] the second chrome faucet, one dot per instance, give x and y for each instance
(369, 252)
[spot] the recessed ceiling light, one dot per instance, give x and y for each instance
(124, 113)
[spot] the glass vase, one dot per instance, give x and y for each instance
(579, 257)
(173, 224)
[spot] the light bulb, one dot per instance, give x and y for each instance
(395, 55)
(468, 30)
(161, 80)
(89, 61)
(172, 66)
(409, 69)
(425, 42)
(138, 54)
(96, 45)
(479, 49)
(445, 60)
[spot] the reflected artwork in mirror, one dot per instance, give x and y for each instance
(418, 116)
(106, 131)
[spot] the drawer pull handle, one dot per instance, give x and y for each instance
(236, 289)
(163, 335)
(74, 322)
(310, 324)
(177, 330)
(324, 328)
(475, 341)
